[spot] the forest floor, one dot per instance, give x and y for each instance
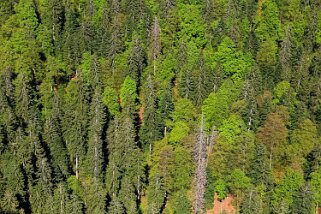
(226, 205)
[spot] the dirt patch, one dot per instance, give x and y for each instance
(223, 206)
(141, 114)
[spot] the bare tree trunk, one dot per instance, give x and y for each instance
(200, 174)
(155, 42)
(211, 143)
(95, 163)
(61, 200)
(77, 173)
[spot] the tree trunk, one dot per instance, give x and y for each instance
(77, 173)
(200, 174)
(61, 201)
(271, 156)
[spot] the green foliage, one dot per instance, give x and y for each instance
(191, 26)
(316, 185)
(267, 21)
(97, 96)
(110, 100)
(282, 89)
(231, 128)
(234, 147)
(220, 189)
(303, 200)
(283, 194)
(182, 117)
(128, 95)
(182, 204)
(234, 62)
(238, 181)
(216, 107)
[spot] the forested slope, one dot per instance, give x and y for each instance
(152, 106)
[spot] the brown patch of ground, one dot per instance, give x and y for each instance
(223, 206)
(141, 114)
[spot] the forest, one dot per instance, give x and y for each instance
(160, 106)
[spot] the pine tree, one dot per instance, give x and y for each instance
(75, 121)
(136, 61)
(303, 200)
(149, 131)
(125, 172)
(52, 137)
(95, 153)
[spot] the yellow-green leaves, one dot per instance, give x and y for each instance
(182, 117)
(234, 62)
(110, 100)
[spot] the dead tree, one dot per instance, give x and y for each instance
(200, 174)
(155, 45)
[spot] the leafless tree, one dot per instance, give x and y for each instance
(155, 45)
(200, 174)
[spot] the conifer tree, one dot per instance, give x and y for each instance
(95, 153)
(149, 131)
(75, 122)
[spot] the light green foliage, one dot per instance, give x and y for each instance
(182, 117)
(234, 62)
(179, 130)
(109, 98)
(292, 13)
(166, 69)
(209, 57)
(234, 147)
(266, 55)
(191, 25)
(318, 33)
(19, 49)
(282, 89)
(231, 128)
(303, 140)
(238, 181)
(182, 204)
(128, 94)
(184, 168)
(86, 67)
(267, 22)
(100, 6)
(220, 189)
(316, 185)
(216, 107)
(282, 196)
(184, 111)
(74, 185)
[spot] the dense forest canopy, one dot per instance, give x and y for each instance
(155, 106)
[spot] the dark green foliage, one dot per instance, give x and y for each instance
(150, 130)
(303, 200)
